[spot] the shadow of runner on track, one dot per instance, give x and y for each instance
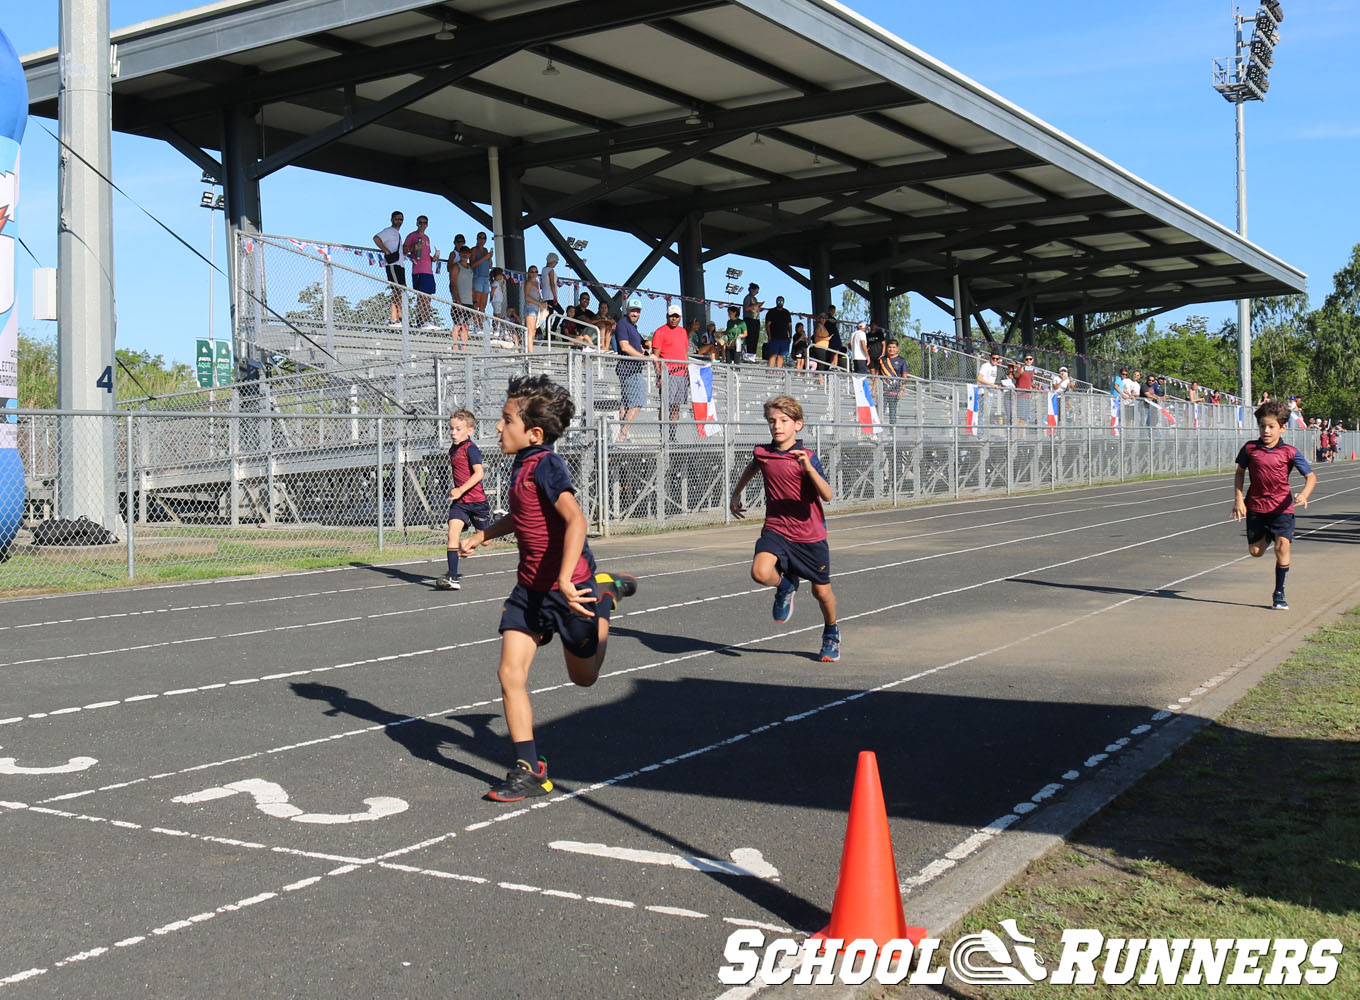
(1348, 534)
(423, 738)
(661, 642)
(1177, 595)
(400, 573)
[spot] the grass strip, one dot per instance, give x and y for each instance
(1251, 830)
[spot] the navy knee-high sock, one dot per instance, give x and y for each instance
(1280, 571)
(452, 555)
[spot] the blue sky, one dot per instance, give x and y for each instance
(1132, 81)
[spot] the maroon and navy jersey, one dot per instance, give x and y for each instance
(793, 507)
(462, 457)
(1268, 469)
(537, 478)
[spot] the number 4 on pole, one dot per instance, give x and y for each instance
(105, 380)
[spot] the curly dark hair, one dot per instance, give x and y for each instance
(1276, 408)
(543, 404)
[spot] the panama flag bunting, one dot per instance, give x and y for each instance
(1239, 417)
(1296, 418)
(701, 399)
(1194, 411)
(1114, 415)
(971, 417)
(864, 406)
(1166, 414)
(1052, 411)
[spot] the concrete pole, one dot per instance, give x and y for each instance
(821, 278)
(493, 166)
(1243, 305)
(240, 152)
(960, 310)
(85, 325)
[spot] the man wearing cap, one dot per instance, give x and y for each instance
(859, 349)
(750, 311)
(547, 284)
(1060, 385)
(632, 374)
(671, 343)
(779, 327)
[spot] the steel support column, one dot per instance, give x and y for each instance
(240, 152)
(1083, 367)
(878, 299)
(821, 278)
(691, 247)
(511, 226)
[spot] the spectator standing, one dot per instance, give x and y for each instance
(986, 377)
(422, 256)
(1024, 385)
(778, 327)
(893, 367)
(535, 309)
(465, 276)
(1061, 385)
(670, 344)
(735, 334)
(820, 354)
(389, 242)
(750, 315)
(833, 329)
(497, 293)
(547, 286)
(632, 374)
(1196, 396)
(874, 341)
(480, 259)
(859, 350)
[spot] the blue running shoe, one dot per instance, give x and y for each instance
(783, 600)
(1277, 601)
(831, 645)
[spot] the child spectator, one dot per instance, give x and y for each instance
(1268, 506)
(557, 581)
(735, 334)
(467, 499)
(792, 546)
(498, 293)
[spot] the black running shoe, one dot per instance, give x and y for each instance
(617, 585)
(522, 783)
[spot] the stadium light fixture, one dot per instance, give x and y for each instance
(550, 69)
(445, 33)
(733, 272)
(732, 288)
(758, 141)
(693, 117)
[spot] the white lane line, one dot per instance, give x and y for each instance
(257, 600)
(616, 673)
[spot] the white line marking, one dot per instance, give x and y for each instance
(272, 800)
(746, 861)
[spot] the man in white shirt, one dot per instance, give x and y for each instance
(389, 242)
(986, 377)
(859, 349)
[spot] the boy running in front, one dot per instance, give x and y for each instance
(467, 499)
(792, 545)
(557, 584)
(1269, 503)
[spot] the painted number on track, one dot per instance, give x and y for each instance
(272, 800)
(10, 765)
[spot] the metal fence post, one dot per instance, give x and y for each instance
(131, 493)
(399, 477)
(729, 443)
(379, 487)
(328, 305)
(956, 475)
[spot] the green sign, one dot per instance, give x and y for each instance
(226, 365)
(203, 357)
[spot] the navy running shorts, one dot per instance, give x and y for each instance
(1261, 526)
(478, 514)
(545, 613)
(779, 347)
(423, 283)
(809, 561)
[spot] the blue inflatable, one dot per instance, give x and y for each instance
(13, 118)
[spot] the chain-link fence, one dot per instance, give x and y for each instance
(274, 486)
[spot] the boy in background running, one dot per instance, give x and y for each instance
(792, 545)
(467, 499)
(557, 590)
(1268, 506)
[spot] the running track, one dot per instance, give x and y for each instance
(272, 786)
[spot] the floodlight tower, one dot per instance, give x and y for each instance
(1241, 77)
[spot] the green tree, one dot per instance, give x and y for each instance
(37, 371)
(140, 374)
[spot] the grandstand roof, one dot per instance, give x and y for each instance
(792, 125)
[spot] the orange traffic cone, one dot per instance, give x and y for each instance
(1352, 456)
(868, 900)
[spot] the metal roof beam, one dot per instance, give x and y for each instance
(1106, 259)
(732, 123)
(1152, 280)
(842, 181)
(796, 221)
(499, 38)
